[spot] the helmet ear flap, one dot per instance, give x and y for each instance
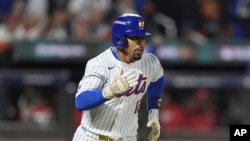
(120, 42)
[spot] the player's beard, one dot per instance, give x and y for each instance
(138, 53)
(135, 56)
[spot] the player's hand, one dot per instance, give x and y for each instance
(153, 122)
(121, 83)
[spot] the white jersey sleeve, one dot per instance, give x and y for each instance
(93, 78)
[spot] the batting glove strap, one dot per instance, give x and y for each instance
(153, 122)
(107, 93)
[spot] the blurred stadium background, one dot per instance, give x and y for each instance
(203, 46)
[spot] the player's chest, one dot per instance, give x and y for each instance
(140, 88)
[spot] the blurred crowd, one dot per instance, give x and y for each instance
(91, 20)
(197, 113)
(54, 20)
(202, 110)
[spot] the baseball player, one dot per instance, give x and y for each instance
(114, 84)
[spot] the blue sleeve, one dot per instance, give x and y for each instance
(89, 99)
(154, 93)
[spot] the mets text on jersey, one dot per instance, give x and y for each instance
(139, 88)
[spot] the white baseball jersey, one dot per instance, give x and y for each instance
(117, 117)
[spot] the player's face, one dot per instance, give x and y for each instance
(135, 47)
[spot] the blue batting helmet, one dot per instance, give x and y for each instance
(130, 25)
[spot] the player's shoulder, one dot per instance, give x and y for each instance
(101, 58)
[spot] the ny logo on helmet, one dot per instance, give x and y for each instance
(141, 24)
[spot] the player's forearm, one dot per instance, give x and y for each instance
(89, 99)
(155, 91)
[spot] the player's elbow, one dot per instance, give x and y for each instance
(89, 99)
(80, 103)
(83, 105)
(79, 106)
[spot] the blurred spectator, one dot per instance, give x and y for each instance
(57, 27)
(57, 4)
(80, 29)
(198, 20)
(16, 12)
(213, 22)
(84, 8)
(6, 29)
(39, 7)
(100, 29)
(5, 8)
(30, 28)
(239, 14)
(159, 23)
(183, 13)
(122, 6)
(88, 19)
(95, 29)
(9, 24)
(201, 113)
(172, 115)
(35, 109)
(144, 7)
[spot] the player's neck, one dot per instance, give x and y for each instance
(123, 57)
